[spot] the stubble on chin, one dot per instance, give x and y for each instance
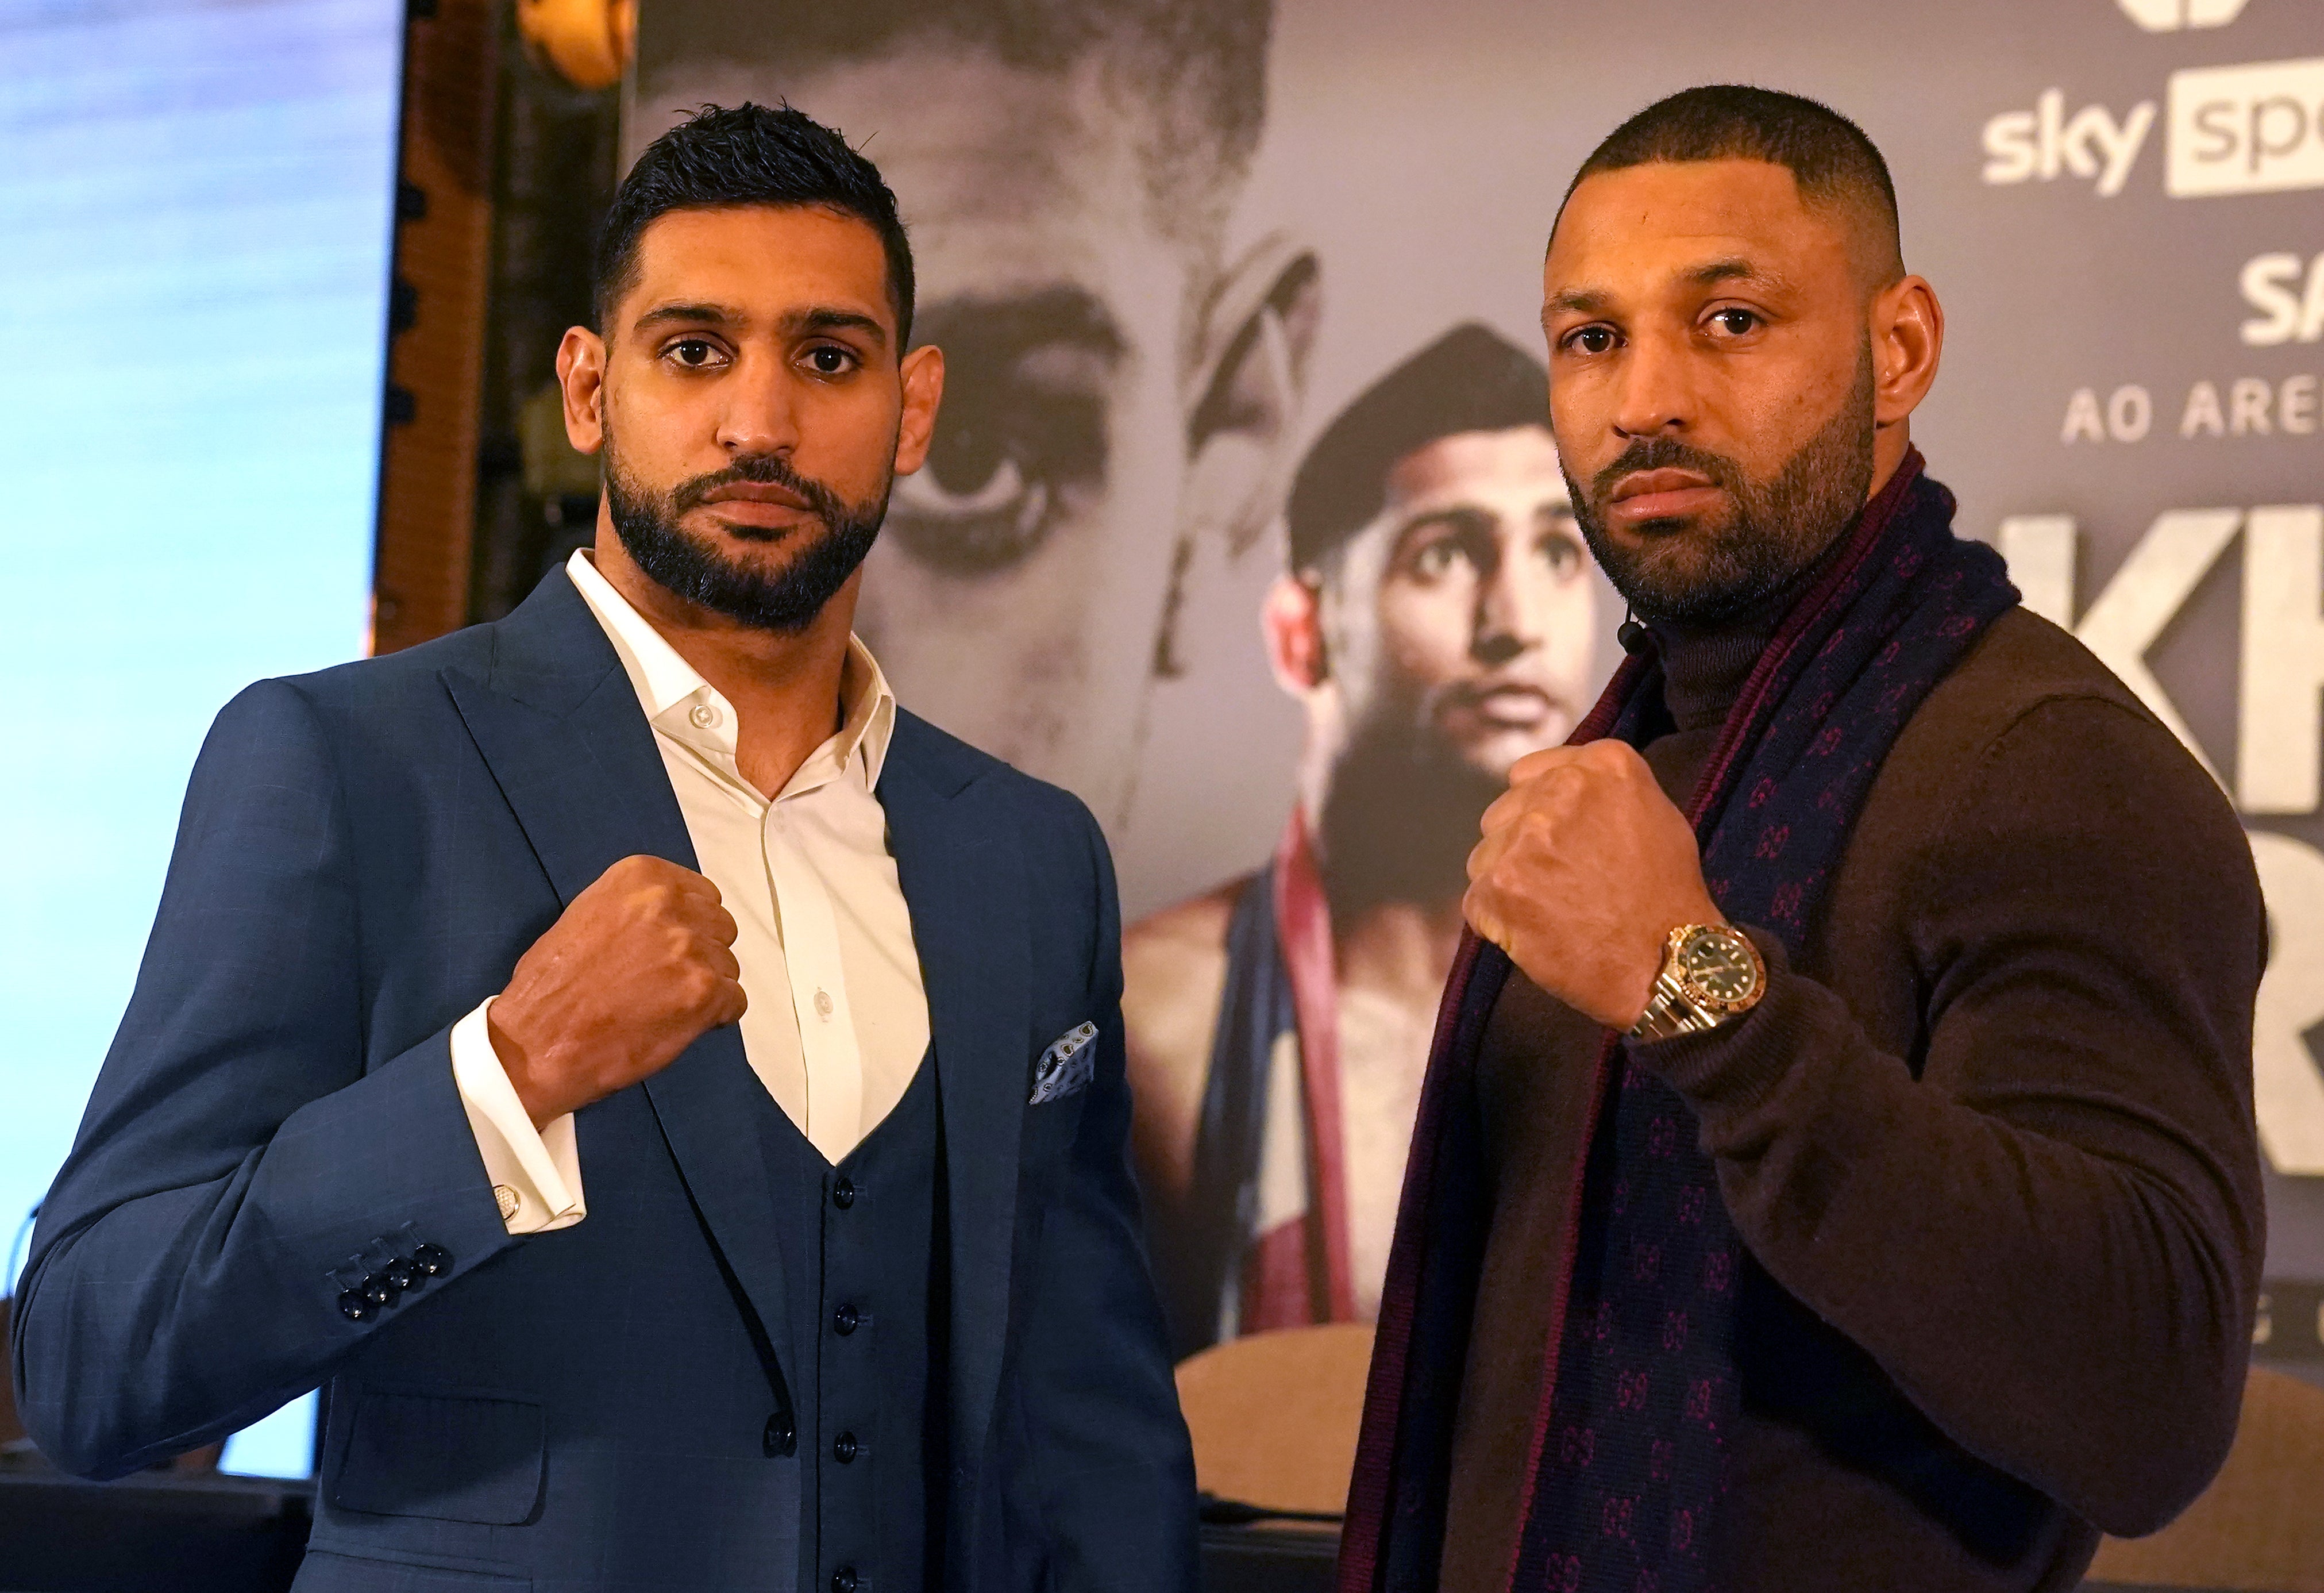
(1707, 570)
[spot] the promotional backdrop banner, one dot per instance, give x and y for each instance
(1243, 521)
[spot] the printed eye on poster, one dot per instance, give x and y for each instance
(1244, 522)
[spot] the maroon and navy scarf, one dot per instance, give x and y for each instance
(1628, 1457)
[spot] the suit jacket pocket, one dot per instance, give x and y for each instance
(477, 1457)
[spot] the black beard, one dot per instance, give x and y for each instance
(1400, 820)
(1780, 527)
(786, 600)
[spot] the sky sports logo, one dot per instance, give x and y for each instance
(2229, 130)
(2253, 129)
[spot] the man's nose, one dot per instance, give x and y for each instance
(761, 412)
(1507, 622)
(1656, 395)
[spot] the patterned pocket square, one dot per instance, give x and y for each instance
(1065, 1066)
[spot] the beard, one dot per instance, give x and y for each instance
(1400, 817)
(784, 600)
(1711, 572)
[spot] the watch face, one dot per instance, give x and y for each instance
(1719, 963)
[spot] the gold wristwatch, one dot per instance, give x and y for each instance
(1711, 973)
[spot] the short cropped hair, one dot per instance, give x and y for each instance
(1471, 379)
(748, 154)
(1200, 65)
(1835, 165)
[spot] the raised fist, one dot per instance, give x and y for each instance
(1584, 868)
(633, 971)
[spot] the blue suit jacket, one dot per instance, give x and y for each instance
(364, 855)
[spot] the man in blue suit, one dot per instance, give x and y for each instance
(668, 1097)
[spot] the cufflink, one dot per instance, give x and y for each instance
(507, 1199)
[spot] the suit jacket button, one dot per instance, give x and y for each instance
(842, 1580)
(843, 1448)
(355, 1307)
(844, 1320)
(843, 1194)
(432, 1259)
(401, 1273)
(780, 1437)
(378, 1290)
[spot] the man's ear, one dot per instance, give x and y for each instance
(1244, 394)
(923, 376)
(1242, 399)
(581, 376)
(1908, 341)
(1291, 622)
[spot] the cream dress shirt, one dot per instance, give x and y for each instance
(838, 1018)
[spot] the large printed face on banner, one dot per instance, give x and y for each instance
(2119, 201)
(1437, 625)
(1113, 390)
(1458, 623)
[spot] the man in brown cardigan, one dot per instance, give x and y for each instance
(1837, 1167)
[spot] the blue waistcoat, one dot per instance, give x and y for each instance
(863, 1242)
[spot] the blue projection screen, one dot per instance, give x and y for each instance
(196, 198)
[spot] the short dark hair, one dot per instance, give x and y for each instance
(748, 154)
(1201, 64)
(1835, 165)
(1470, 379)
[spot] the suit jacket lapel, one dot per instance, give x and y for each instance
(963, 872)
(560, 725)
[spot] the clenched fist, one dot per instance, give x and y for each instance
(1584, 869)
(636, 967)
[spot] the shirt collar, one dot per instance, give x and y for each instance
(664, 682)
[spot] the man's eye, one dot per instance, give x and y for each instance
(1563, 554)
(826, 359)
(1435, 561)
(1590, 340)
(693, 353)
(1735, 323)
(1004, 470)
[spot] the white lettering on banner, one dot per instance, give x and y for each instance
(2248, 407)
(2253, 407)
(2287, 1092)
(2168, 16)
(2040, 552)
(2202, 412)
(2247, 129)
(2271, 284)
(2128, 414)
(2280, 703)
(2280, 698)
(2046, 143)
(2145, 595)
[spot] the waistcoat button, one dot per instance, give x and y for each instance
(843, 1194)
(844, 1320)
(780, 1437)
(842, 1580)
(843, 1448)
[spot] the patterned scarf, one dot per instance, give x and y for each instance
(1628, 1450)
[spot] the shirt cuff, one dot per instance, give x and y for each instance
(536, 1174)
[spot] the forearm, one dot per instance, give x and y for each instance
(2060, 1277)
(155, 1318)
